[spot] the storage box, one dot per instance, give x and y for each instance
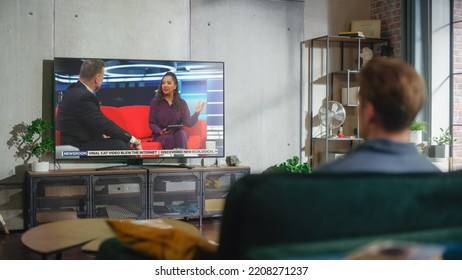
(370, 28)
(123, 188)
(214, 204)
(168, 186)
(352, 98)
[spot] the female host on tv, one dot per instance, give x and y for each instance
(169, 112)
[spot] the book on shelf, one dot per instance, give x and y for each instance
(354, 34)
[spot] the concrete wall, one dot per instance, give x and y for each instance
(123, 29)
(333, 16)
(259, 41)
(26, 34)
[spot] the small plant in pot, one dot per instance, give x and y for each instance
(292, 165)
(416, 130)
(33, 141)
(439, 147)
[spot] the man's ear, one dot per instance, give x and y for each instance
(370, 114)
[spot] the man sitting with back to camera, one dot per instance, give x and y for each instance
(80, 120)
(390, 96)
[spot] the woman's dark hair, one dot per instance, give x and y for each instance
(176, 92)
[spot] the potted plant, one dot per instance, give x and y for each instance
(33, 141)
(416, 130)
(439, 147)
(292, 165)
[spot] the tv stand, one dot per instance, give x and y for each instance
(121, 167)
(144, 166)
(130, 192)
(181, 165)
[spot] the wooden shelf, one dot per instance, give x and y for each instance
(346, 39)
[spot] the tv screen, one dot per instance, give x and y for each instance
(125, 96)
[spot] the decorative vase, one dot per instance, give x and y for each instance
(41, 166)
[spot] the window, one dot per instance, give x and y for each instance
(456, 81)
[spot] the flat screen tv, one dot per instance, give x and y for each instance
(129, 86)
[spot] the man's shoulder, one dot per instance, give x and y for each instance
(75, 86)
(363, 157)
(346, 162)
(380, 157)
(76, 89)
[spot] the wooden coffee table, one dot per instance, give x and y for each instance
(56, 237)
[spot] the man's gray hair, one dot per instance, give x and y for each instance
(91, 67)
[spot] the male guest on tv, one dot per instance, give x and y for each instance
(80, 120)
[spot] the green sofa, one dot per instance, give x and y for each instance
(325, 216)
(322, 216)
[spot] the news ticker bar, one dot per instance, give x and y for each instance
(138, 152)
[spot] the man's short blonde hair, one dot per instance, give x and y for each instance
(395, 89)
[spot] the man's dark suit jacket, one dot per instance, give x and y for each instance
(80, 119)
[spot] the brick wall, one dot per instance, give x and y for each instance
(389, 12)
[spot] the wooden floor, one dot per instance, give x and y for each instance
(11, 247)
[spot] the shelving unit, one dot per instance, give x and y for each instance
(334, 64)
(129, 193)
(12, 204)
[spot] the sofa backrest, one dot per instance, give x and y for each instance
(200, 131)
(113, 114)
(135, 120)
(278, 209)
(138, 118)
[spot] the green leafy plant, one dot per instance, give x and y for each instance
(418, 125)
(32, 140)
(292, 165)
(444, 139)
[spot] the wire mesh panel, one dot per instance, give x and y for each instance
(120, 196)
(175, 195)
(216, 187)
(58, 198)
